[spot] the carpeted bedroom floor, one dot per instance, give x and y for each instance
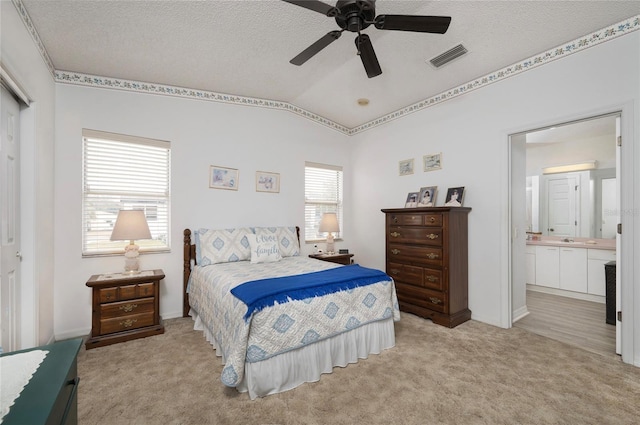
(472, 374)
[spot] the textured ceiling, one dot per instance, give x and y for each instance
(243, 47)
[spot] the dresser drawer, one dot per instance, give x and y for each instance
(432, 220)
(433, 300)
(406, 219)
(127, 308)
(418, 276)
(125, 323)
(414, 254)
(416, 235)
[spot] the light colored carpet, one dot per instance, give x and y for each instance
(472, 374)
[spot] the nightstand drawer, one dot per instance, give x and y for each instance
(127, 308)
(127, 292)
(145, 290)
(108, 295)
(125, 323)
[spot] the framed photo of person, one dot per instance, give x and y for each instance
(427, 196)
(412, 200)
(454, 197)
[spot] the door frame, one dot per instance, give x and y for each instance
(630, 332)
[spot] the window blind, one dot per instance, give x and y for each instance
(323, 193)
(124, 172)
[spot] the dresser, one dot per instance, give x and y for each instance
(124, 307)
(426, 254)
(51, 395)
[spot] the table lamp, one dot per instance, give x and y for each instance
(131, 225)
(329, 223)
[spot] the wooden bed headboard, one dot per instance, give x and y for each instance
(189, 260)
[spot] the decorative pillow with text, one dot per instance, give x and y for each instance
(264, 248)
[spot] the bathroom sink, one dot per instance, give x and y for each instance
(563, 242)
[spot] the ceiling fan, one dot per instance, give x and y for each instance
(355, 16)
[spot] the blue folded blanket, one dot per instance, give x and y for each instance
(262, 293)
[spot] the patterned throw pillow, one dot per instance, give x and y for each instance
(287, 239)
(264, 248)
(223, 246)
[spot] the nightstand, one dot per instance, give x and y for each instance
(125, 307)
(334, 258)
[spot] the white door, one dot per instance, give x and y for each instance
(10, 222)
(562, 193)
(519, 227)
(618, 243)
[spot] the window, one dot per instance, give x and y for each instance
(322, 194)
(123, 172)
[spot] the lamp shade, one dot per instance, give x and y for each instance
(130, 225)
(329, 223)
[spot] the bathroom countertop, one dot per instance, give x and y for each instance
(591, 243)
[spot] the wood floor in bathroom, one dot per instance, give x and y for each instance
(576, 322)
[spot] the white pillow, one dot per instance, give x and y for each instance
(287, 239)
(223, 246)
(264, 248)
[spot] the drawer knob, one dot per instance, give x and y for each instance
(395, 219)
(128, 307)
(432, 256)
(395, 251)
(395, 234)
(432, 219)
(435, 300)
(432, 236)
(432, 278)
(108, 297)
(413, 217)
(128, 323)
(394, 271)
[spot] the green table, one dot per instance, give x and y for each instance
(50, 397)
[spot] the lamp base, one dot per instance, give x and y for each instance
(330, 244)
(131, 262)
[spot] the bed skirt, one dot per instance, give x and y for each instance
(305, 364)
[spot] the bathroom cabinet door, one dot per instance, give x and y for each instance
(548, 266)
(573, 269)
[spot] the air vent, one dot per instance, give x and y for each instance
(448, 56)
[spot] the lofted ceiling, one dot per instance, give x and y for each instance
(243, 47)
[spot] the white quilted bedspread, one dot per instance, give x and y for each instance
(282, 327)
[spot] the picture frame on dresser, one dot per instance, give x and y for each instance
(412, 200)
(454, 197)
(427, 196)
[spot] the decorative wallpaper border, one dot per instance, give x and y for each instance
(577, 45)
(67, 77)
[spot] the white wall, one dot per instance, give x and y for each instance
(472, 133)
(201, 134)
(21, 57)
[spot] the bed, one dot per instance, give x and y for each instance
(333, 315)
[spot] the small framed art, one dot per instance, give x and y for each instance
(405, 167)
(432, 162)
(223, 178)
(267, 182)
(412, 200)
(454, 197)
(427, 196)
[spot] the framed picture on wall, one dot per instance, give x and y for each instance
(427, 196)
(432, 162)
(223, 178)
(267, 182)
(405, 167)
(454, 197)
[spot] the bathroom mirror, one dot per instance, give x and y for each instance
(579, 199)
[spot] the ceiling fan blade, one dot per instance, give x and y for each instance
(316, 6)
(310, 51)
(432, 24)
(368, 56)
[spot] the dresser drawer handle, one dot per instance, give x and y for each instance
(395, 251)
(432, 219)
(413, 217)
(108, 297)
(395, 219)
(128, 323)
(395, 234)
(435, 300)
(432, 256)
(432, 278)
(128, 307)
(432, 236)
(395, 271)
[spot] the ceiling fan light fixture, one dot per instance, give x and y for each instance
(448, 56)
(363, 101)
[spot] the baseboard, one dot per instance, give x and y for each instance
(519, 314)
(568, 294)
(76, 333)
